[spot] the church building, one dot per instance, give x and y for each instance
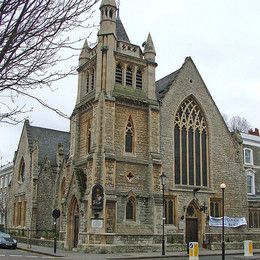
(126, 130)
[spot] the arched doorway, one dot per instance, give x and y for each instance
(193, 223)
(73, 223)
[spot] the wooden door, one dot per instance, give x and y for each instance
(191, 230)
(76, 231)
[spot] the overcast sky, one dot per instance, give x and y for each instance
(222, 37)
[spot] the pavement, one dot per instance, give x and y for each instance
(63, 254)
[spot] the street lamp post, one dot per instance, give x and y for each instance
(163, 181)
(223, 186)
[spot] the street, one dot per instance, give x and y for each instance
(20, 254)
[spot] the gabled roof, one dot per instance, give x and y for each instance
(120, 31)
(163, 85)
(48, 140)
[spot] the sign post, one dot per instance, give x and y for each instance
(55, 215)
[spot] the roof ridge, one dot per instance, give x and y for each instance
(49, 129)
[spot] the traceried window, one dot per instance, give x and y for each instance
(190, 145)
(119, 74)
(139, 79)
(248, 156)
(129, 76)
(215, 207)
(169, 208)
(129, 136)
(21, 174)
(130, 209)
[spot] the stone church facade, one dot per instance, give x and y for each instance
(126, 129)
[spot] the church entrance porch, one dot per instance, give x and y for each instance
(193, 226)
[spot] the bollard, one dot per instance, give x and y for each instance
(193, 251)
(248, 248)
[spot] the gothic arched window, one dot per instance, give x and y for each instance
(21, 174)
(130, 209)
(139, 79)
(190, 145)
(129, 136)
(119, 74)
(129, 76)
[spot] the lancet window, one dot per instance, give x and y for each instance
(21, 175)
(190, 145)
(92, 79)
(129, 136)
(130, 209)
(139, 79)
(129, 76)
(119, 74)
(87, 82)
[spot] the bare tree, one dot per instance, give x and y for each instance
(32, 34)
(237, 123)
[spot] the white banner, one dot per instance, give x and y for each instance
(228, 222)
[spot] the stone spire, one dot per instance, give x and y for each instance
(149, 50)
(84, 55)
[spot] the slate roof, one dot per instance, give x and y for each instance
(163, 85)
(120, 31)
(48, 140)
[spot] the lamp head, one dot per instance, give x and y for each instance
(163, 178)
(222, 186)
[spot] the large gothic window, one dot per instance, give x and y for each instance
(129, 136)
(190, 145)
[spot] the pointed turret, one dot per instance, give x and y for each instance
(84, 55)
(149, 50)
(107, 17)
